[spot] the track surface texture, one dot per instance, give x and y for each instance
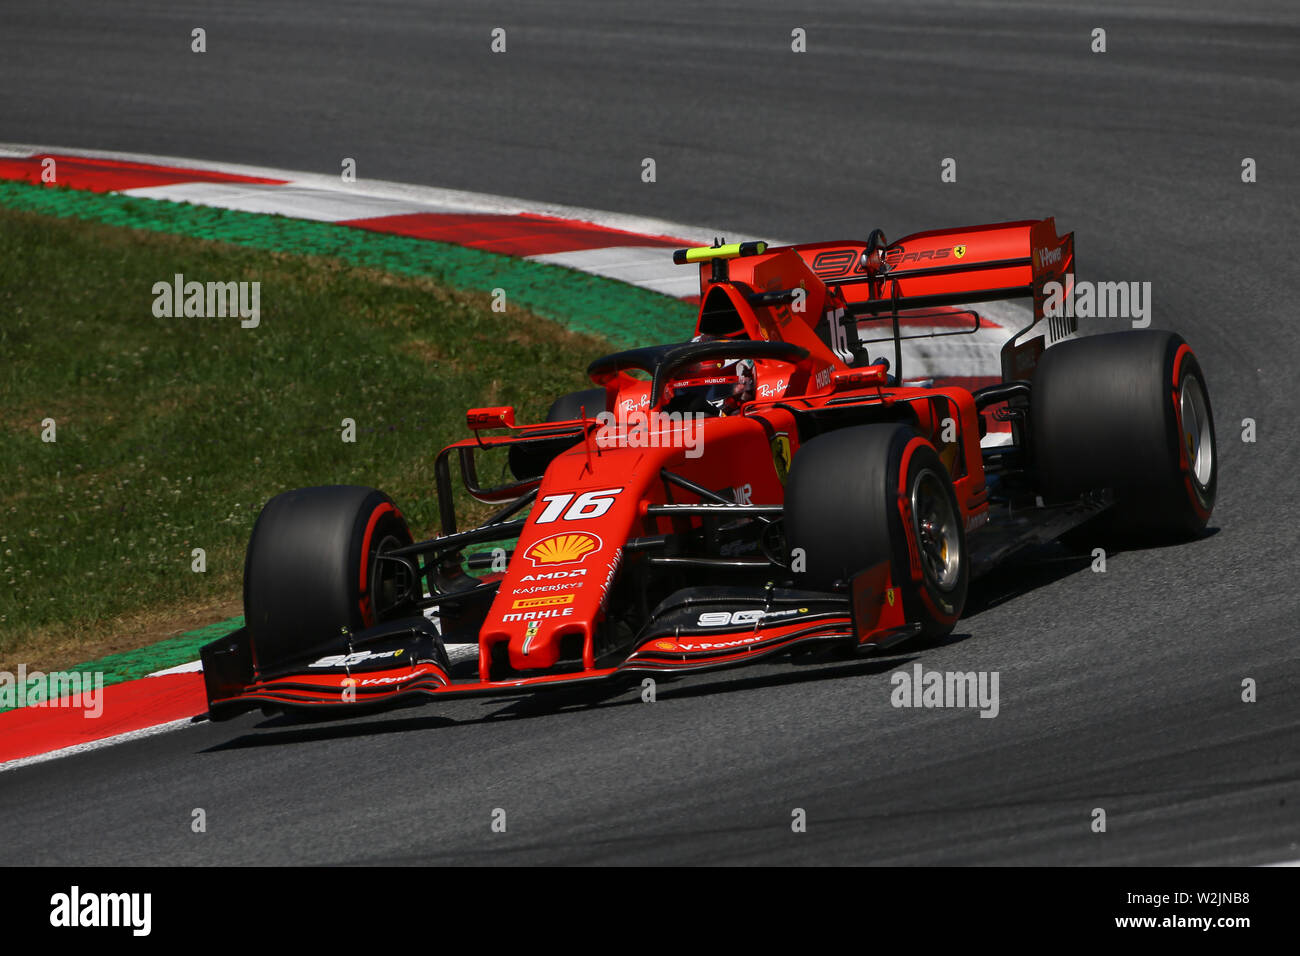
(1118, 690)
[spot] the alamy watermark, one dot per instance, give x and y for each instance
(208, 300)
(75, 909)
(638, 428)
(74, 690)
(1098, 300)
(922, 688)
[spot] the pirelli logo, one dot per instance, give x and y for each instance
(551, 600)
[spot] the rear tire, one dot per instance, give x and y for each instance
(312, 568)
(842, 508)
(1128, 411)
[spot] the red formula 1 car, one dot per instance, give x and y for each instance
(773, 484)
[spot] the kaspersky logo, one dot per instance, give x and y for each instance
(568, 547)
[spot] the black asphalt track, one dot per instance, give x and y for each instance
(1119, 691)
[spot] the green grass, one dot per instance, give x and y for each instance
(619, 313)
(172, 432)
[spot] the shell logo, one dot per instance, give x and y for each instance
(665, 645)
(565, 548)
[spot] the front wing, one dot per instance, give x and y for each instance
(698, 629)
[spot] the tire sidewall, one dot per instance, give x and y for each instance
(845, 513)
(937, 609)
(389, 530)
(309, 570)
(1107, 417)
(1183, 365)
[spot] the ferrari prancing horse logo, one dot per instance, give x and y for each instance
(959, 251)
(781, 455)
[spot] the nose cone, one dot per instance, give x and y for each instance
(543, 643)
(545, 608)
(551, 599)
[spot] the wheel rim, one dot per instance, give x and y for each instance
(1197, 438)
(389, 580)
(937, 531)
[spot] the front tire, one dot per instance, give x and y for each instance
(568, 407)
(842, 508)
(312, 568)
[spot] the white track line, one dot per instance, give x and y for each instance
(293, 200)
(97, 744)
(190, 667)
(649, 267)
(430, 197)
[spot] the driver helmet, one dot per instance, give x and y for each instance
(713, 387)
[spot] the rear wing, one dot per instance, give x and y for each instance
(950, 267)
(819, 283)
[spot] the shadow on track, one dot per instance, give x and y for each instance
(287, 729)
(1039, 567)
(1036, 569)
